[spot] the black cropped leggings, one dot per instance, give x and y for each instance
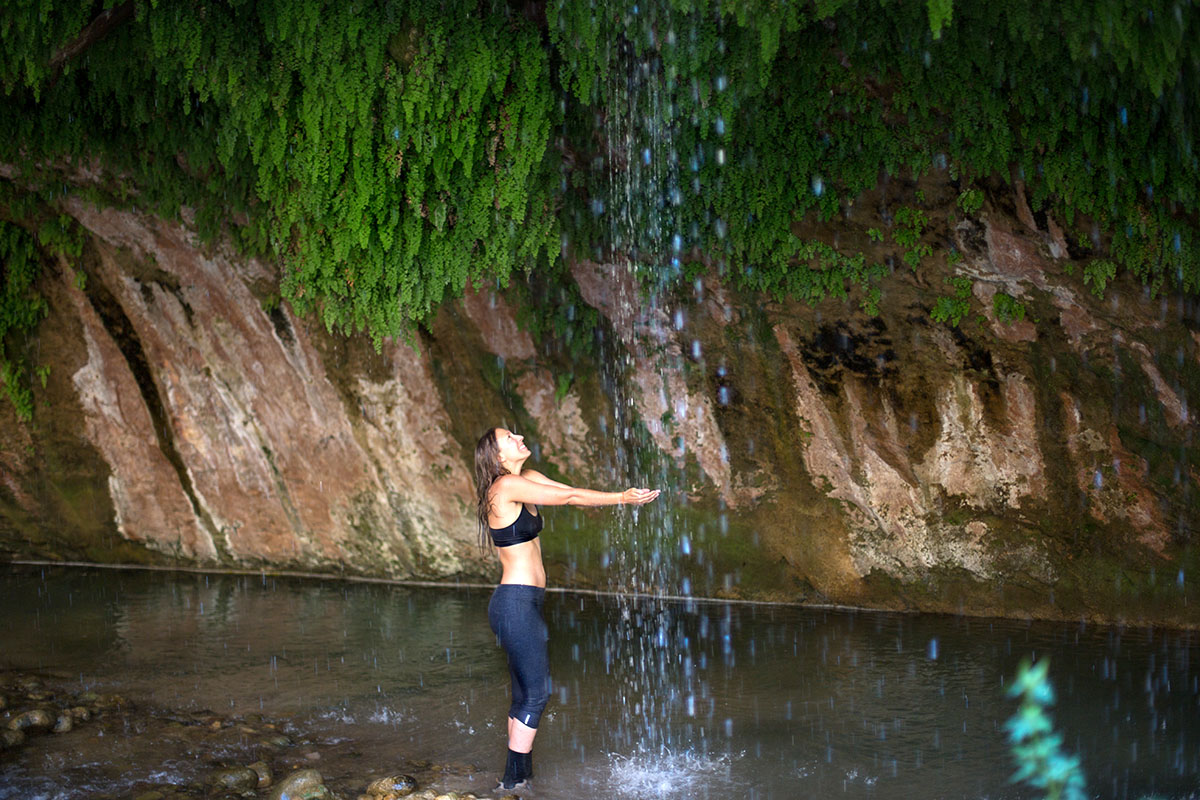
(515, 614)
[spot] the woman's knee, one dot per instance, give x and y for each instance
(529, 712)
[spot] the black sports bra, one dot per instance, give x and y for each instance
(525, 529)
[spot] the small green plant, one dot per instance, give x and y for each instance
(60, 236)
(970, 201)
(12, 375)
(910, 225)
(875, 235)
(1008, 308)
(1036, 747)
(952, 309)
(21, 307)
(1097, 275)
(870, 301)
(43, 373)
(953, 257)
(563, 385)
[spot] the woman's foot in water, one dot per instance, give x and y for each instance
(518, 769)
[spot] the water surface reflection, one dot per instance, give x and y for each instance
(770, 701)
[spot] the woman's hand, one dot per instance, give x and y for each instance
(638, 497)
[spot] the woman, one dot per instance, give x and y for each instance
(508, 499)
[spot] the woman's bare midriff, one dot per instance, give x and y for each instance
(522, 563)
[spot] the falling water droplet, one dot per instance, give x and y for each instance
(646, 155)
(818, 185)
(1098, 480)
(696, 348)
(1124, 116)
(721, 156)
(678, 319)
(932, 650)
(720, 126)
(721, 83)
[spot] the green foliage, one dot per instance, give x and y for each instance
(940, 12)
(385, 152)
(951, 309)
(20, 309)
(389, 152)
(1036, 747)
(1097, 273)
(816, 271)
(60, 236)
(875, 235)
(563, 385)
(1008, 308)
(910, 225)
(970, 201)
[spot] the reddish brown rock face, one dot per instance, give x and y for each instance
(258, 462)
(863, 459)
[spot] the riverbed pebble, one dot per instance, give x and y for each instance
(11, 738)
(239, 780)
(263, 771)
(275, 740)
(304, 784)
(64, 722)
(36, 720)
(81, 713)
(392, 787)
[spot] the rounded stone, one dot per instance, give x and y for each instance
(233, 779)
(29, 684)
(11, 738)
(392, 787)
(264, 773)
(37, 720)
(304, 784)
(3, 702)
(277, 740)
(64, 723)
(81, 714)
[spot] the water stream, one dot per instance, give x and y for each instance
(783, 702)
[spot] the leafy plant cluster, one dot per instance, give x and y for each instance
(1036, 746)
(21, 308)
(1008, 308)
(951, 309)
(774, 111)
(388, 153)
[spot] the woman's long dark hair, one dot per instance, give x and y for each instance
(487, 470)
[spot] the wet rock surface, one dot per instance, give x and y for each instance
(140, 751)
(190, 418)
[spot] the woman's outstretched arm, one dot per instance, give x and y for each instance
(519, 489)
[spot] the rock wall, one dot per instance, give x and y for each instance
(1039, 467)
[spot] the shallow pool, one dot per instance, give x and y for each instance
(651, 699)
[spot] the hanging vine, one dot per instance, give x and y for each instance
(388, 153)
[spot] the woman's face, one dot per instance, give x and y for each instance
(512, 447)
